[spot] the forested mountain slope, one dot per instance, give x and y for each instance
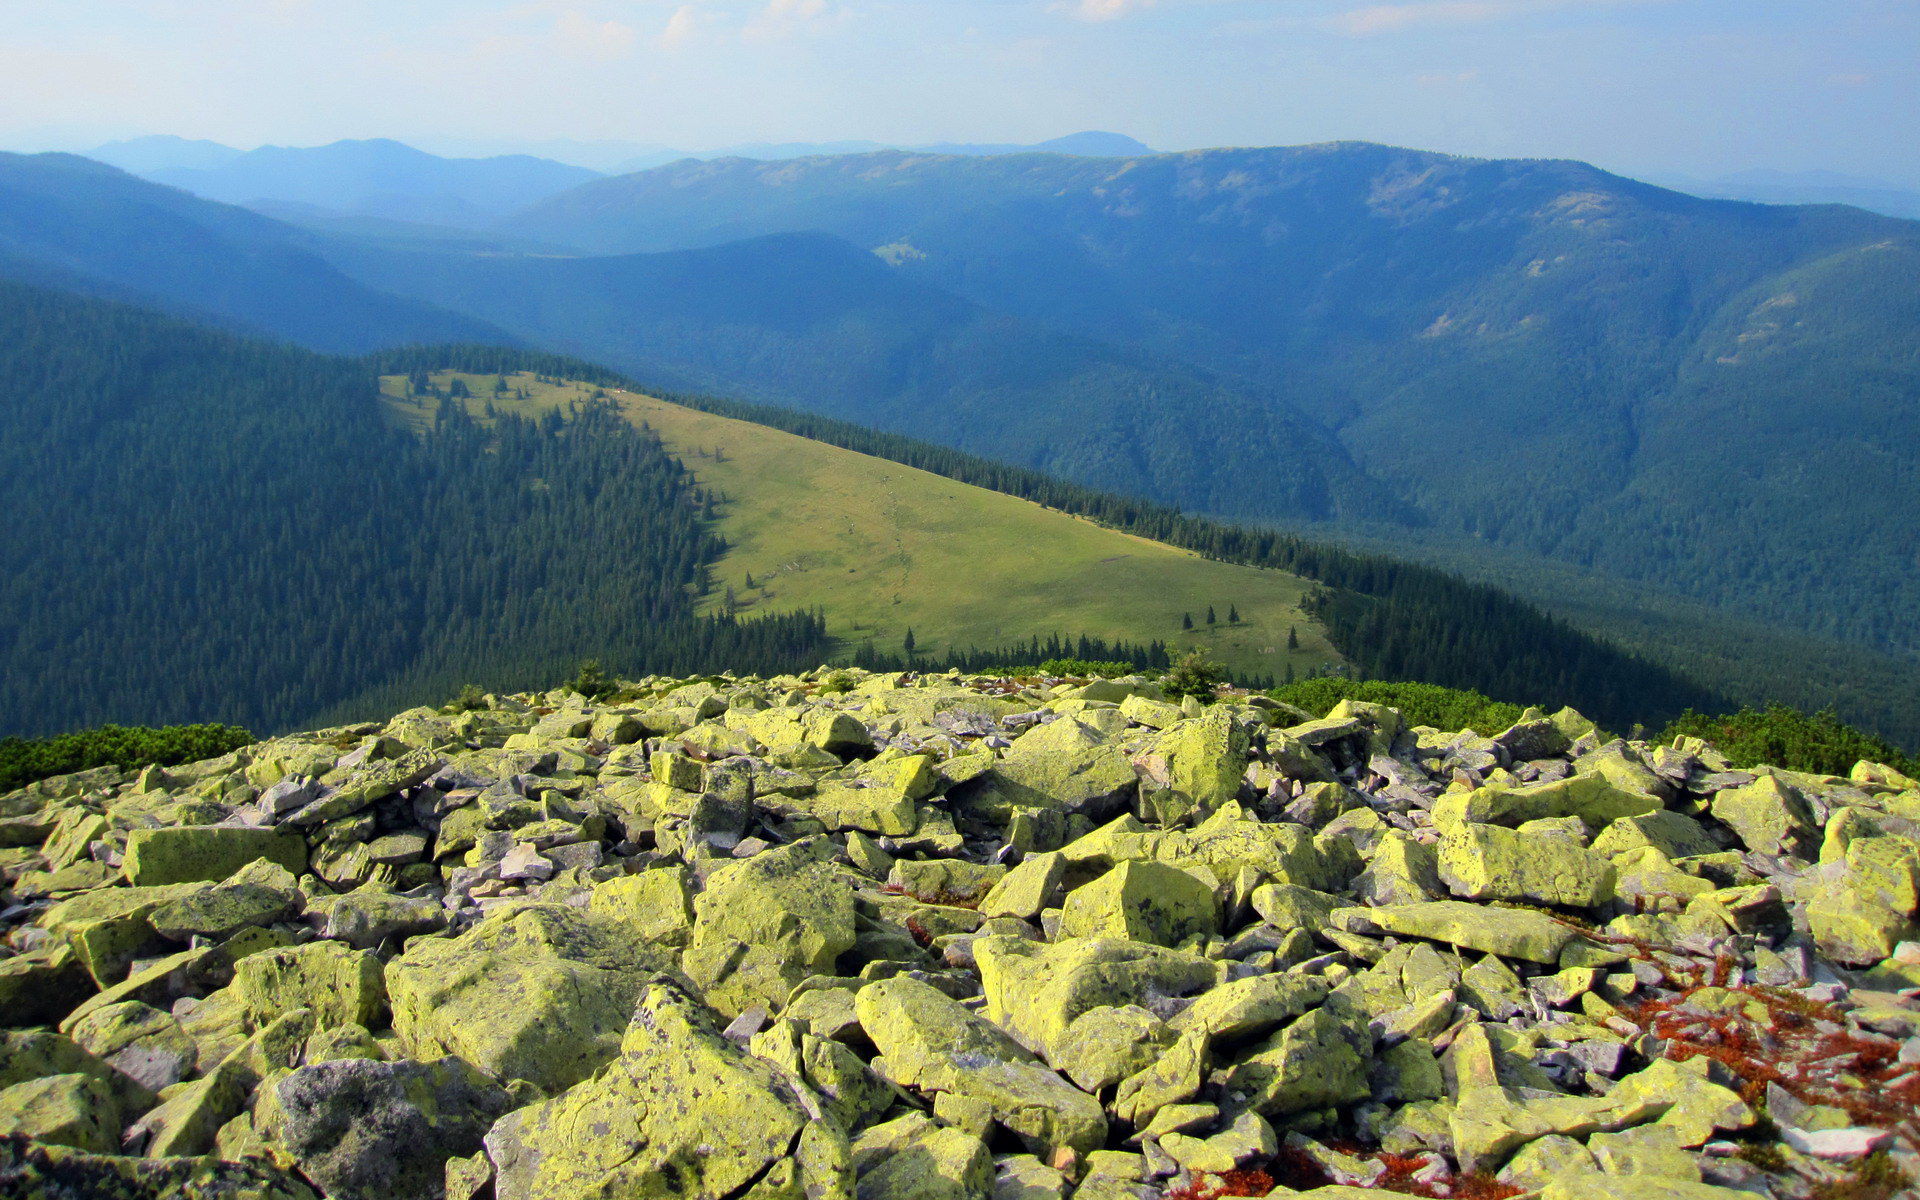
(84, 224)
(1387, 618)
(1711, 398)
(202, 527)
(811, 319)
(886, 551)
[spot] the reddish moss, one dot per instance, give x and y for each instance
(919, 933)
(1246, 1181)
(1802, 1046)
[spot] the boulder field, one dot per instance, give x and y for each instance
(848, 936)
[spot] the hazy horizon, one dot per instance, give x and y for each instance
(1652, 88)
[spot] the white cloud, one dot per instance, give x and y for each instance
(1108, 10)
(681, 27)
(782, 17)
(577, 34)
(1391, 18)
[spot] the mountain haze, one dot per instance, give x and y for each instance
(378, 178)
(1535, 353)
(813, 320)
(73, 222)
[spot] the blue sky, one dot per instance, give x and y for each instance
(1645, 86)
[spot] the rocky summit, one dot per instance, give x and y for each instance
(943, 937)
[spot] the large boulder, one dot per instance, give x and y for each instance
(143, 1043)
(912, 1158)
(367, 1130)
(1487, 862)
(927, 1041)
(1507, 932)
(207, 853)
(338, 984)
(259, 893)
(1036, 990)
(1769, 816)
(74, 1110)
(541, 994)
(41, 1172)
(1067, 765)
(1143, 902)
(680, 1112)
(766, 923)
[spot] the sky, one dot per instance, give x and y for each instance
(1652, 87)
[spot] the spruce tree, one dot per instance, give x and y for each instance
(907, 645)
(1293, 638)
(1211, 619)
(1233, 615)
(1186, 621)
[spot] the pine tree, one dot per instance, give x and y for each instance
(907, 645)
(750, 582)
(1233, 615)
(1186, 621)
(458, 389)
(1293, 638)
(1211, 619)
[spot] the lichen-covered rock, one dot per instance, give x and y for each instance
(1769, 816)
(141, 1042)
(912, 1158)
(259, 893)
(1486, 862)
(1035, 991)
(681, 1111)
(542, 995)
(338, 985)
(929, 1042)
(763, 925)
(1143, 902)
(193, 854)
(366, 1130)
(720, 938)
(1067, 765)
(33, 1171)
(74, 1110)
(1507, 932)
(1309, 1064)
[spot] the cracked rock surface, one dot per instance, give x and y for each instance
(945, 937)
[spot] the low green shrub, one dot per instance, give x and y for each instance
(24, 761)
(1082, 668)
(1451, 709)
(1194, 675)
(1786, 737)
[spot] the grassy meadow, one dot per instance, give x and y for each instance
(882, 548)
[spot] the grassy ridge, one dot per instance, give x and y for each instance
(881, 548)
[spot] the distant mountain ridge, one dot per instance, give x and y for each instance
(1714, 398)
(72, 222)
(811, 318)
(381, 178)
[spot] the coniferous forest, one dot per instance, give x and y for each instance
(1389, 618)
(203, 527)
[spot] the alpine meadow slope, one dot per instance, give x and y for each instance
(883, 550)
